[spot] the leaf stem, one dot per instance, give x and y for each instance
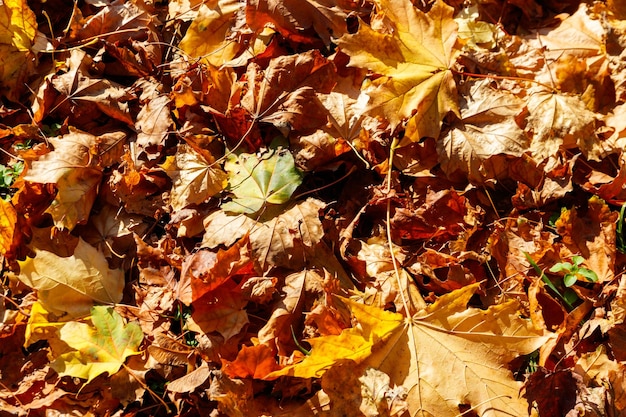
(420, 301)
(546, 280)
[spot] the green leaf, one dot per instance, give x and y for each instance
(561, 266)
(258, 180)
(578, 260)
(569, 280)
(100, 348)
(589, 274)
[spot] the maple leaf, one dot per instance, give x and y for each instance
(255, 181)
(221, 310)
(591, 236)
(18, 30)
(82, 93)
(475, 346)
(251, 362)
(294, 18)
(210, 35)
(75, 166)
(280, 240)
(488, 128)
(74, 283)
(153, 125)
(554, 128)
(194, 179)
(285, 93)
(413, 58)
(100, 348)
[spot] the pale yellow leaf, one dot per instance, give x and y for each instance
(75, 283)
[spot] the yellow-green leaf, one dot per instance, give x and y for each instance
(258, 180)
(102, 347)
(74, 283)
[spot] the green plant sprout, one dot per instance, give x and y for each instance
(621, 239)
(8, 174)
(569, 297)
(573, 271)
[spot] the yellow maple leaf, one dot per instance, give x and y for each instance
(207, 36)
(446, 355)
(100, 348)
(413, 53)
(74, 283)
(18, 29)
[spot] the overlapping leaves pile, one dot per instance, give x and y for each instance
(320, 207)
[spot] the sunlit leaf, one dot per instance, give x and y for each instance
(259, 180)
(98, 348)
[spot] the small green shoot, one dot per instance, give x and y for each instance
(566, 298)
(8, 175)
(573, 271)
(621, 239)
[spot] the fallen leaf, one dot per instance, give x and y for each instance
(210, 36)
(83, 96)
(153, 125)
(488, 128)
(281, 240)
(295, 18)
(18, 29)
(413, 59)
(75, 166)
(256, 181)
(285, 94)
(554, 128)
(194, 179)
(221, 310)
(541, 387)
(476, 346)
(591, 236)
(251, 362)
(97, 348)
(74, 283)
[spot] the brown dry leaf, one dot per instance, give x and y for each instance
(605, 374)
(541, 386)
(251, 362)
(128, 29)
(299, 293)
(194, 179)
(281, 240)
(285, 94)
(413, 58)
(82, 94)
(294, 19)
(18, 30)
(380, 276)
(590, 235)
(475, 345)
(488, 128)
(154, 123)
(554, 129)
(221, 310)
(75, 167)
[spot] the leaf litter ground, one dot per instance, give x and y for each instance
(318, 207)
